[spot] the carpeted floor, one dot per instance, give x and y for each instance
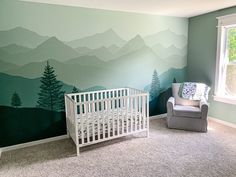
(167, 153)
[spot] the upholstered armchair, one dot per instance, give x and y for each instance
(186, 114)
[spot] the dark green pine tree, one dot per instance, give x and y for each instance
(75, 90)
(155, 85)
(50, 97)
(15, 100)
(174, 80)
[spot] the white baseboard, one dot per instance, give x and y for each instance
(32, 143)
(222, 122)
(158, 116)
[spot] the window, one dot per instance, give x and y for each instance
(225, 79)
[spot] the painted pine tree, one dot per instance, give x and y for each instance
(174, 80)
(51, 96)
(155, 85)
(15, 100)
(75, 90)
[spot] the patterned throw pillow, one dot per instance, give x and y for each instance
(194, 91)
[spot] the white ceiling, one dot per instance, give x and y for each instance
(178, 8)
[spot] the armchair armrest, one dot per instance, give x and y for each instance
(204, 108)
(170, 106)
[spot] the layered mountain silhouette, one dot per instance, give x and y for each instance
(166, 38)
(86, 61)
(21, 36)
(102, 53)
(102, 59)
(13, 49)
(105, 51)
(51, 48)
(113, 48)
(5, 66)
(133, 69)
(106, 39)
(132, 45)
(27, 89)
(164, 52)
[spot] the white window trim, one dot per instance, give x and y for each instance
(224, 22)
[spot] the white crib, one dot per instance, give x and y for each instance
(97, 116)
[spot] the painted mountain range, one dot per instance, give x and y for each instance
(85, 62)
(79, 50)
(28, 89)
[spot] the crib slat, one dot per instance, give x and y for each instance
(135, 112)
(86, 112)
(139, 111)
(98, 120)
(126, 114)
(122, 115)
(147, 115)
(108, 118)
(144, 112)
(75, 98)
(80, 99)
(117, 116)
(103, 119)
(81, 123)
(131, 113)
(93, 116)
(113, 118)
(105, 115)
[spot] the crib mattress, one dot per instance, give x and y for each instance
(103, 121)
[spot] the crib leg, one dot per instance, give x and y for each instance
(77, 150)
(147, 133)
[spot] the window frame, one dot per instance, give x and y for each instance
(224, 24)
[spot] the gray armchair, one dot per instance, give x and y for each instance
(186, 114)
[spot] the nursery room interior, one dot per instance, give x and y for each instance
(110, 88)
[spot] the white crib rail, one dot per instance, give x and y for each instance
(106, 114)
(71, 120)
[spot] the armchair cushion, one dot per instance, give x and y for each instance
(187, 111)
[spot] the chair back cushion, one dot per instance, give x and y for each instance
(179, 100)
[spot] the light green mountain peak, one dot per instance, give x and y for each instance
(21, 36)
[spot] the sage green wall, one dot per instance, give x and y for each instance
(202, 43)
(89, 49)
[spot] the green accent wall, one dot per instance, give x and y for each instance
(80, 49)
(202, 44)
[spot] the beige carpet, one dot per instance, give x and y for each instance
(166, 153)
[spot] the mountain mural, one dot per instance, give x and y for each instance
(132, 45)
(164, 52)
(166, 38)
(104, 39)
(51, 48)
(86, 61)
(28, 89)
(21, 36)
(4, 66)
(123, 70)
(83, 62)
(14, 49)
(103, 53)
(96, 50)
